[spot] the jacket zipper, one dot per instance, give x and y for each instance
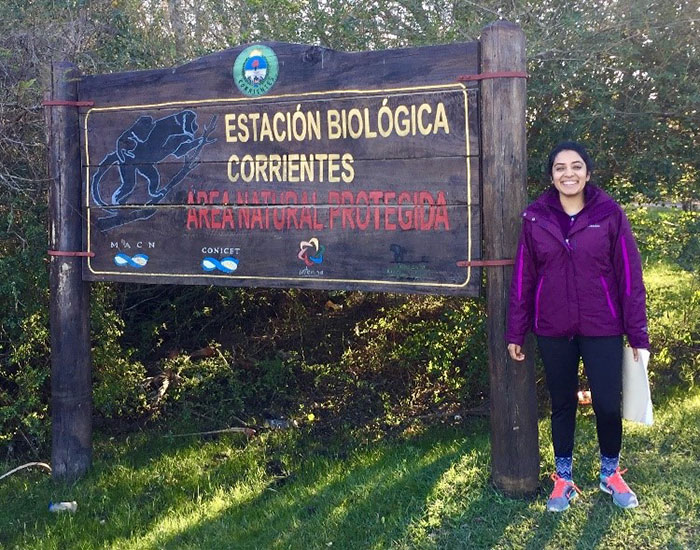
(607, 297)
(537, 302)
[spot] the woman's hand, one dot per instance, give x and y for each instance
(635, 354)
(516, 353)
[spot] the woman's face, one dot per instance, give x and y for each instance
(569, 173)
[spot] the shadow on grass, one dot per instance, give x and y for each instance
(429, 491)
(368, 501)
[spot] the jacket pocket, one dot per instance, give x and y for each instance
(537, 302)
(607, 297)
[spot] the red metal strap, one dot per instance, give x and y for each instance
(62, 103)
(484, 263)
(485, 76)
(66, 253)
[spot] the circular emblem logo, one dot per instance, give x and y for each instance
(255, 70)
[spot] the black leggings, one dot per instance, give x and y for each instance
(602, 360)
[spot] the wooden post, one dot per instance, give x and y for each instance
(71, 390)
(514, 443)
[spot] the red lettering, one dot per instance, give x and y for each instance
(292, 198)
(441, 212)
(405, 214)
(333, 211)
(256, 218)
(389, 211)
(375, 197)
(317, 225)
(215, 213)
(243, 218)
(278, 218)
(227, 219)
(292, 216)
(362, 197)
(426, 200)
(305, 218)
(204, 218)
(192, 219)
(347, 198)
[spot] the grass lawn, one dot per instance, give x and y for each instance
(428, 489)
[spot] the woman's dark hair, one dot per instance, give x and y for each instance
(570, 146)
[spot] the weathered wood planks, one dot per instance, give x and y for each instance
(372, 154)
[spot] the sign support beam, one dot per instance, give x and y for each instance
(71, 384)
(514, 441)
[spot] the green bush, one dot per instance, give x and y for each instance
(667, 235)
(673, 309)
(415, 356)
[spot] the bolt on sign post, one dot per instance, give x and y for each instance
(286, 165)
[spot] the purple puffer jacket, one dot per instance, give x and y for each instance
(588, 284)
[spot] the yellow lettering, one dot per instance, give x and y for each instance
(232, 160)
(369, 133)
(313, 122)
(265, 128)
(260, 167)
(254, 117)
(275, 164)
(355, 115)
(348, 174)
(424, 108)
(402, 124)
(441, 119)
(307, 168)
(276, 119)
(333, 120)
(230, 120)
(333, 166)
(293, 167)
(243, 133)
(321, 157)
(247, 168)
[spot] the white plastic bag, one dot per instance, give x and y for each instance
(636, 397)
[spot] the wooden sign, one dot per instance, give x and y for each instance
(286, 166)
(295, 166)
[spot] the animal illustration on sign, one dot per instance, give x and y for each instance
(139, 150)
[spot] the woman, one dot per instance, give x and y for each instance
(577, 284)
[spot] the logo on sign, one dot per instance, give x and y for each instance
(311, 252)
(138, 260)
(255, 70)
(225, 265)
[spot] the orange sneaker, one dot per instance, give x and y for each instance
(564, 492)
(622, 495)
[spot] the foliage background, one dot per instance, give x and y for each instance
(620, 75)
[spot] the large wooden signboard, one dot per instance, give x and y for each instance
(294, 166)
(286, 165)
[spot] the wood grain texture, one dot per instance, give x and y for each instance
(381, 147)
(367, 248)
(514, 443)
(302, 69)
(71, 390)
